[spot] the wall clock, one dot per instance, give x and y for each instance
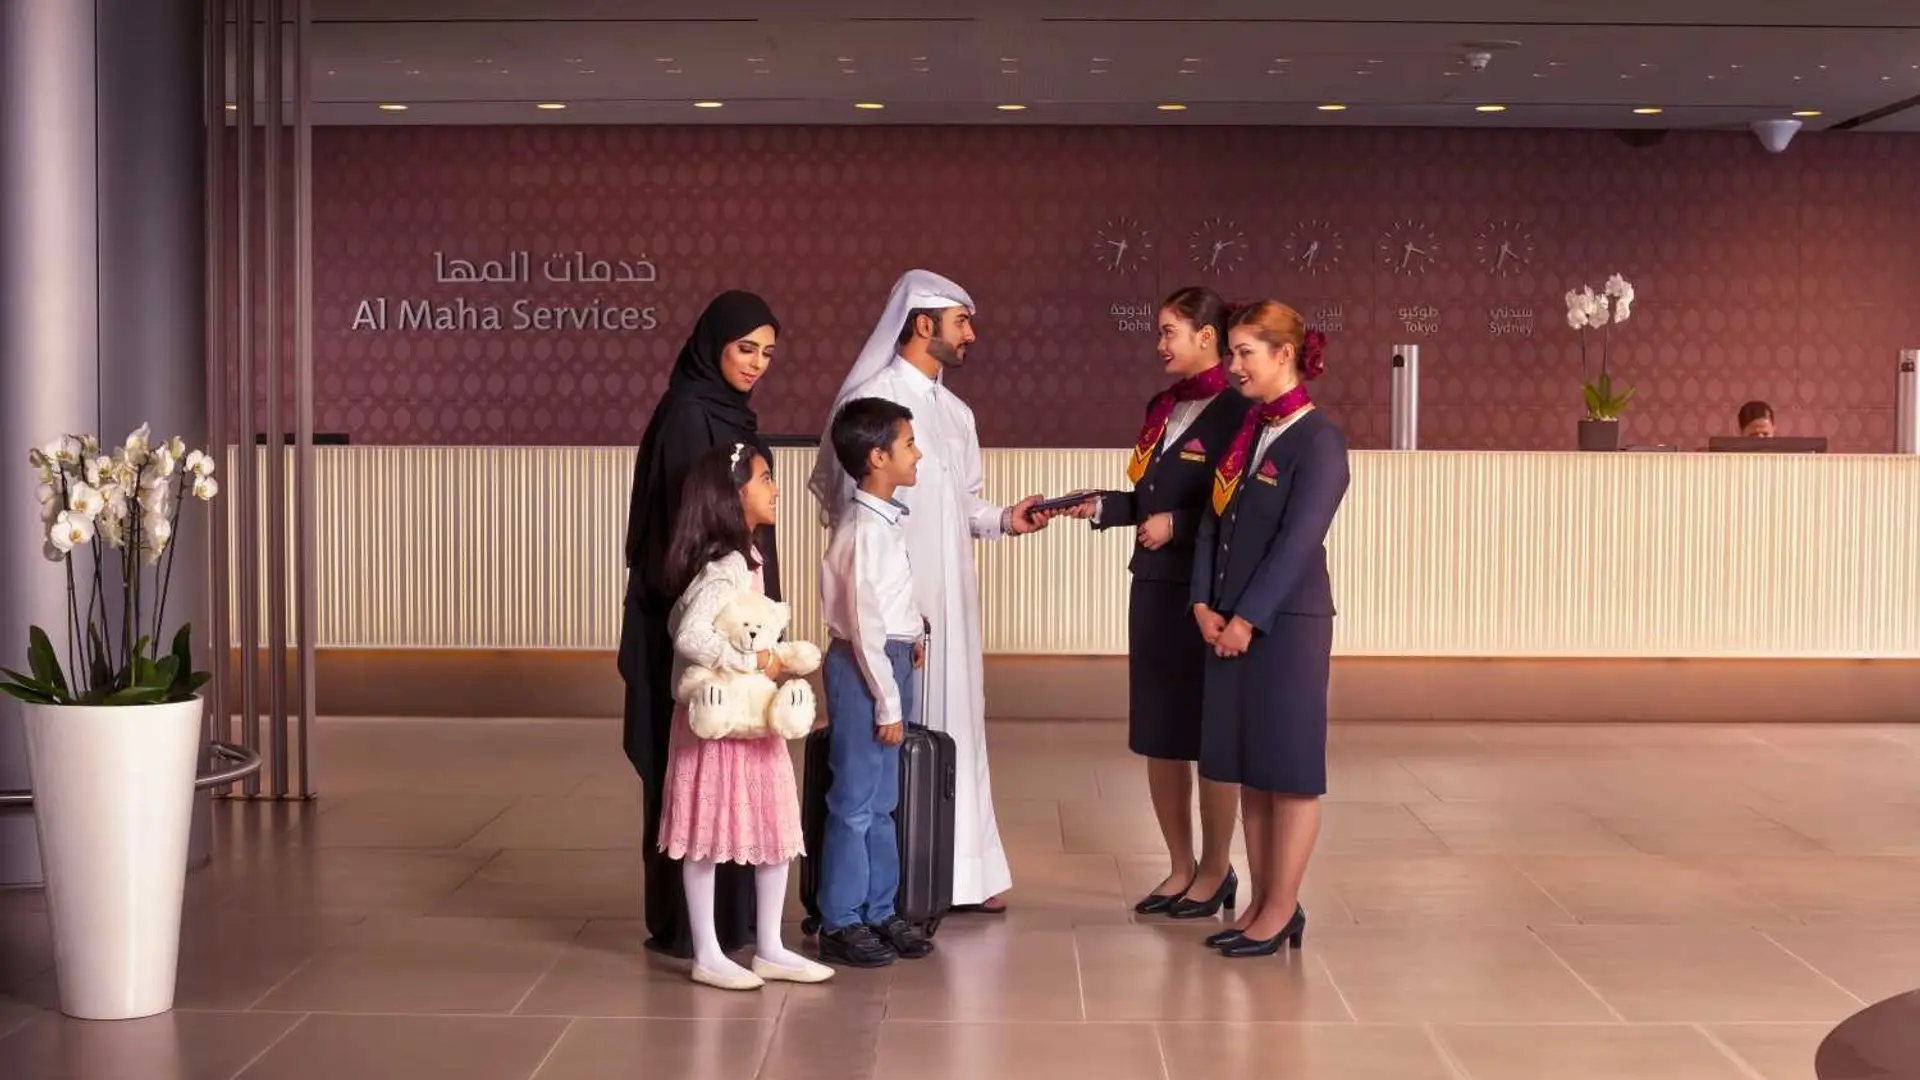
(1217, 245)
(1504, 249)
(1409, 248)
(1122, 246)
(1314, 247)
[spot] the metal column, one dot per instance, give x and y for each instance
(1906, 410)
(1405, 417)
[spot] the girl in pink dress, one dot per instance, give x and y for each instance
(728, 800)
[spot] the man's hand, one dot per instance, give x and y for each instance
(919, 654)
(1234, 640)
(890, 734)
(1022, 518)
(1156, 532)
(770, 665)
(1211, 624)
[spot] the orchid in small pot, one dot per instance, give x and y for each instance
(113, 724)
(1587, 310)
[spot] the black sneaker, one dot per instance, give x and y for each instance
(855, 946)
(907, 939)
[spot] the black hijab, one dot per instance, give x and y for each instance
(700, 410)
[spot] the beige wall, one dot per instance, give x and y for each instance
(1436, 554)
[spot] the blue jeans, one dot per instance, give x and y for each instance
(860, 856)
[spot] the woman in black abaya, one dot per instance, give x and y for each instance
(706, 405)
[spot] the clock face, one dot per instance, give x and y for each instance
(1504, 249)
(1217, 245)
(1313, 247)
(1122, 246)
(1408, 248)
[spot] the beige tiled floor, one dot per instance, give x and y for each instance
(1490, 902)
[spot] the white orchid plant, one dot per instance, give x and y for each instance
(127, 502)
(1588, 310)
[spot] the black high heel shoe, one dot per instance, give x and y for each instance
(1156, 904)
(1224, 937)
(1291, 934)
(1227, 896)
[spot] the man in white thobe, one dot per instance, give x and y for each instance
(925, 331)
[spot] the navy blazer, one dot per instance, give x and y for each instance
(1179, 482)
(1267, 556)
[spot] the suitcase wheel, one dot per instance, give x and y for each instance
(933, 927)
(809, 926)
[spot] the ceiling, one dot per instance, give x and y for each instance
(1705, 63)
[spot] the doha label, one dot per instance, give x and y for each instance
(486, 310)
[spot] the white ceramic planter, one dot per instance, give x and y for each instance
(113, 804)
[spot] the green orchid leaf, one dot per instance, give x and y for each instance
(44, 661)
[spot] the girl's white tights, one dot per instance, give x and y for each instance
(770, 887)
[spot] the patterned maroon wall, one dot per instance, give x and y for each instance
(1785, 277)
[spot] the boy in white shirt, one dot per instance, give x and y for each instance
(866, 590)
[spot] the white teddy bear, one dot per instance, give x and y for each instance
(725, 704)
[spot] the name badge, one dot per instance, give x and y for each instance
(1267, 480)
(1188, 455)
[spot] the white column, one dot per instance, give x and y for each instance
(102, 278)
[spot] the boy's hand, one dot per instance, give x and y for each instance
(919, 654)
(890, 734)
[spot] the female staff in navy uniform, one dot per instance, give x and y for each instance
(1262, 599)
(1188, 427)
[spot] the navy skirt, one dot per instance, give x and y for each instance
(1265, 712)
(1166, 669)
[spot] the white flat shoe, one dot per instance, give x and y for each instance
(807, 972)
(726, 980)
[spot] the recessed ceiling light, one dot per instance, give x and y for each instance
(922, 70)
(673, 71)
(1376, 61)
(588, 71)
(484, 61)
(919, 59)
(663, 59)
(1647, 110)
(1101, 60)
(756, 59)
(1009, 59)
(1489, 108)
(1276, 71)
(1331, 107)
(392, 107)
(1189, 59)
(1186, 71)
(1171, 106)
(1807, 113)
(1556, 63)
(231, 107)
(1096, 71)
(763, 71)
(551, 106)
(868, 105)
(576, 59)
(849, 71)
(1011, 108)
(1009, 71)
(708, 104)
(413, 71)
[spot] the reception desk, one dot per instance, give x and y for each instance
(1462, 556)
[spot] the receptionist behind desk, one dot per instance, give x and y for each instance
(1756, 420)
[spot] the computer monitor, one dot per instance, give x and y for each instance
(1782, 444)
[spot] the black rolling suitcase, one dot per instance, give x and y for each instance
(923, 822)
